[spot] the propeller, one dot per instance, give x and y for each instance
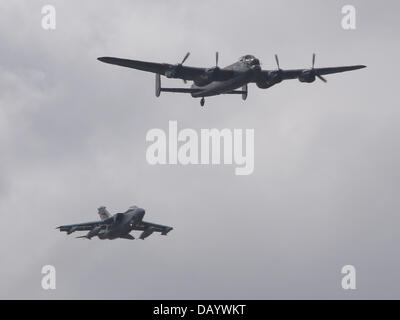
(214, 70)
(277, 62)
(319, 76)
(183, 61)
(313, 60)
(173, 70)
(276, 75)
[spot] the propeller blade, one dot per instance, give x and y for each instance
(184, 59)
(277, 61)
(322, 78)
(216, 59)
(313, 60)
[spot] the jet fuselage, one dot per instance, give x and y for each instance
(122, 224)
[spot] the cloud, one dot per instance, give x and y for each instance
(72, 138)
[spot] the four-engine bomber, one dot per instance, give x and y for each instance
(215, 80)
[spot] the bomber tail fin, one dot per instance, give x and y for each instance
(159, 89)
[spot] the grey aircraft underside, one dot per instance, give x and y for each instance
(117, 226)
(214, 81)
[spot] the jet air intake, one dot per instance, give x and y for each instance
(118, 217)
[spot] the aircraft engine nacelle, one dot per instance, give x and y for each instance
(171, 72)
(208, 77)
(147, 232)
(94, 232)
(267, 81)
(263, 84)
(307, 76)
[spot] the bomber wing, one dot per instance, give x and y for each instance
(296, 73)
(268, 78)
(271, 77)
(178, 71)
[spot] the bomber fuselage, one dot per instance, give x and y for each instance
(245, 70)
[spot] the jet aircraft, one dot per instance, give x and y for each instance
(215, 80)
(117, 226)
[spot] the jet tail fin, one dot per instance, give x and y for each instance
(103, 213)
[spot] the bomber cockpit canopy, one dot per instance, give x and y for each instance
(247, 58)
(250, 60)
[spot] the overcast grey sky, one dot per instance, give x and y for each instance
(324, 192)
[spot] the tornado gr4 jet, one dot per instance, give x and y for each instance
(117, 226)
(215, 80)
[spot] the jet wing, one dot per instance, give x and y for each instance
(148, 228)
(182, 72)
(156, 227)
(86, 226)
